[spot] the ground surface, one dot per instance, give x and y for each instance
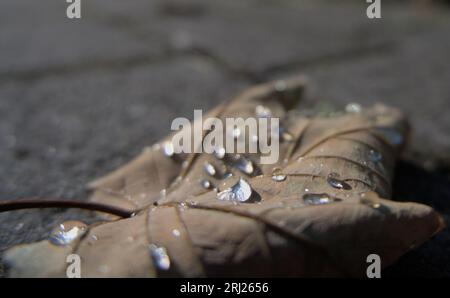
(78, 98)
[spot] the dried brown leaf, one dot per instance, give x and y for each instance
(319, 214)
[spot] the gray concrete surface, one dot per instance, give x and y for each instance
(79, 98)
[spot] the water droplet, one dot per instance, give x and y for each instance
(286, 136)
(240, 192)
(318, 199)
(209, 169)
(182, 206)
(168, 149)
(160, 257)
(227, 175)
(376, 205)
(391, 135)
(263, 112)
(176, 233)
(353, 108)
(245, 166)
(333, 180)
(236, 132)
(206, 184)
(219, 153)
(67, 232)
(370, 199)
(193, 203)
(375, 156)
(280, 86)
(277, 175)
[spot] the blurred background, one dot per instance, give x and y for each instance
(80, 97)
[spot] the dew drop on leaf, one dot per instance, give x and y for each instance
(236, 133)
(206, 184)
(280, 86)
(67, 232)
(277, 175)
(209, 169)
(227, 175)
(370, 199)
(219, 152)
(318, 199)
(182, 206)
(245, 166)
(240, 192)
(168, 149)
(263, 112)
(176, 232)
(160, 257)
(285, 135)
(333, 180)
(353, 108)
(391, 135)
(375, 156)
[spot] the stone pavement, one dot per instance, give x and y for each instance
(78, 98)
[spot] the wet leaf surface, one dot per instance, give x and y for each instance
(319, 211)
